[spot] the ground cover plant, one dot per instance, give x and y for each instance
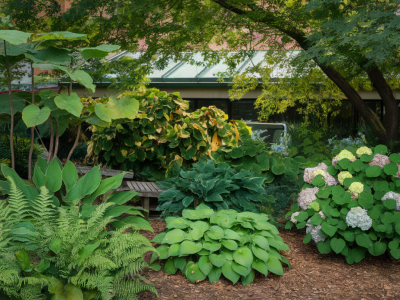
(56, 243)
(204, 243)
(351, 206)
(217, 185)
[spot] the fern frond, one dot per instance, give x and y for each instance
(18, 203)
(128, 289)
(43, 208)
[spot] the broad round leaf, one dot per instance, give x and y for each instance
(214, 274)
(193, 272)
(170, 267)
(274, 265)
(217, 260)
(373, 171)
(240, 269)
(230, 244)
(205, 265)
(243, 256)
(229, 273)
(125, 107)
(33, 115)
(337, 245)
(174, 236)
(14, 37)
(72, 103)
(215, 232)
(391, 169)
(189, 247)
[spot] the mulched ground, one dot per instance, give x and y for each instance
(311, 276)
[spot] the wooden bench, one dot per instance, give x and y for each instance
(145, 190)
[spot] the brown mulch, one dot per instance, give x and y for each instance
(311, 276)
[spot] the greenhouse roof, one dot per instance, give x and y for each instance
(185, 74)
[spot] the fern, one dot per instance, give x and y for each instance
(18, 203)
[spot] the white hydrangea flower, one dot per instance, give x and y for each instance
(358, 217)
(293, 219)
(343, 175)
(394, 196)
(307, 196)
(342, 155)
(314, 232)
(321, 169)
(322, 215)
(356, 187)
(363, 150)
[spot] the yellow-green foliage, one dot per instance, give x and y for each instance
(162, 132)
(42, 245)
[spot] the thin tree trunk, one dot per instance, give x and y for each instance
(57, 140)
(51, 141)
(75, 143)
(389, 101)
(32, 129)
(11, 109)
(40, 138)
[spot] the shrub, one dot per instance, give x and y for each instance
(21, 151)
(204, 243)
(74, 249)
(162, 132)
(357, 214)
(219, 185)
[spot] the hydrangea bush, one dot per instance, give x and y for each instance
(349, 143)
(358, 215)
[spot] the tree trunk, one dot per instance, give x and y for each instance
(32, 129)
(51, 141)
(57, 140)
(75, 143)
(11, 109)
(390, 103)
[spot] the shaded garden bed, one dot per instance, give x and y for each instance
(311, 276)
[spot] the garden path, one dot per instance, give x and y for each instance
(311, 276)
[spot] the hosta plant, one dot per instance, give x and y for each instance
(204, 243)
(357, 212)
(217, 185)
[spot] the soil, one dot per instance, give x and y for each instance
(311, 276)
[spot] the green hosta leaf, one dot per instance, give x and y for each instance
(215, 232)
(33, 115)
(197, 214)
(373, 171)
(53, 175)
(243, 256)
(337, 245)
(214, 274)
(229, 273)
(212, 247)
(260, 241)
(274, 265)
(174, 236)
(217, 260)
(180, 262)
(260, 253)
(85, 252)
(173, 250)
(231, 235)
(260, 266)
(38, 177)
(23, 259)
(72, 103)
(69, 175)
(230, 244)
(249, 278)
(198, 229)
(193, 272)
(125, 107)
(55, 245)
(241, 270)
(159, 238)
(170, 267)
(189, 247)
(180, 223)
(205, 265)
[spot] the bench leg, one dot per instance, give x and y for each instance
(146, 205)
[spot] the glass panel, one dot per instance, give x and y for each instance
(244, 110)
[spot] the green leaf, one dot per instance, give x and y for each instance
(249, 278)
(337, 245)
(23, 259)
(395, 253)
(18, 103)
(53, 175)
(85, 252)
(180, 263)
(121, 197)
(60, 35)
(395, 157)
(180, 223)
(260, 253)
(212, 247)
(55, 245)
(363, 240)
(14, 37)
(189, 247)
(50, 55)
(324, 247)
(105, 186)
(98, 52)
(373, 171)
(230, 244)
(328, 229)
(274, 265)
(381, 149)
(125, 107)
(318, 181)
(389, 203)
(217, 259)
(229, 273)
(193, 272)
(72, 103)
(174, 236)
(73, 292)
(197, 214)
(170, 267)
(43, 266)
(355, 255)
(69, 175)
(391, 169)
(214, 274)
(83, 78)
(377, 249)
(205, 265)
(137, 223)
(366, 200)
(243, 256)
(33, 115)
(38, 177)
(241, 270)
(215, 232)
(260, 241)
(260, 266)
(198, 229)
